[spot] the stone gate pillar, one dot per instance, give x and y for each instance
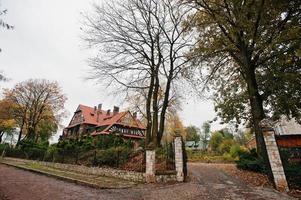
(274, 156)
(150, 175)
(179, 159)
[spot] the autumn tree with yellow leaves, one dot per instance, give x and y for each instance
(38, 108)
(7, 123)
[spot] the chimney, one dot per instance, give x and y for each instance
(135, 115)
(115, 110)
(109, 112)
(99, 107)
(95, 109)
(97, 116)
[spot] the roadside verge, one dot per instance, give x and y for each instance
(94, 181)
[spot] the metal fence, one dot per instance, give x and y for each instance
(165, 158)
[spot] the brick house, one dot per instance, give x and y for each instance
(95, 121)
(287, 134)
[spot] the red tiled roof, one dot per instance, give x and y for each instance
(90, 115)
(104, 119)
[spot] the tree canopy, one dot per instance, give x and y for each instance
(7, 122)
(249, 53)
(141, 46)
(216, 140)
(38, 106)
(193, 133)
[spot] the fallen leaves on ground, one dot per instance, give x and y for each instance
(295, 193)
(251, 178)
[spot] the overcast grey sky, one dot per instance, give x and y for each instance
(46, 44)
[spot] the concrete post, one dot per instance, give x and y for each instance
(179, 159)
(150, 166)
(274, 156)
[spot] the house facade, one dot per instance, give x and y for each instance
(287, 134)
(93, 121)
(195, 145)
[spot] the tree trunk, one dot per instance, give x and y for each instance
(148, 113)
(163, 112)
(36, 138)
(155, 112)
(256, 102)
(31, 134)
(20, 134)
(1, 135)
(258, 114)
(166, 97)
(19, 137)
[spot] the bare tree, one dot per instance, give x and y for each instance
(137, 101)
(141, 46)
(2, 22)
(4, 25)
(2, 77)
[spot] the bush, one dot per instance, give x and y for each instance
(115, 153)
(109, 141)
(293, 174)
(113, 157)
(215, 140)
(69, 144)
(228, 158)
(87, 143)
(51, 153)
(3, 147)
(27, 149)
(249, 160)
(35, 153)
(292, 168)
(141, 143)
(235, 150)
(32, 150)
(225, 146)
(15, 152)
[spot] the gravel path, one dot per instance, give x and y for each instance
(207, 183)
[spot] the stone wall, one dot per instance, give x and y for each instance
(109, 172)
(166, 178)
